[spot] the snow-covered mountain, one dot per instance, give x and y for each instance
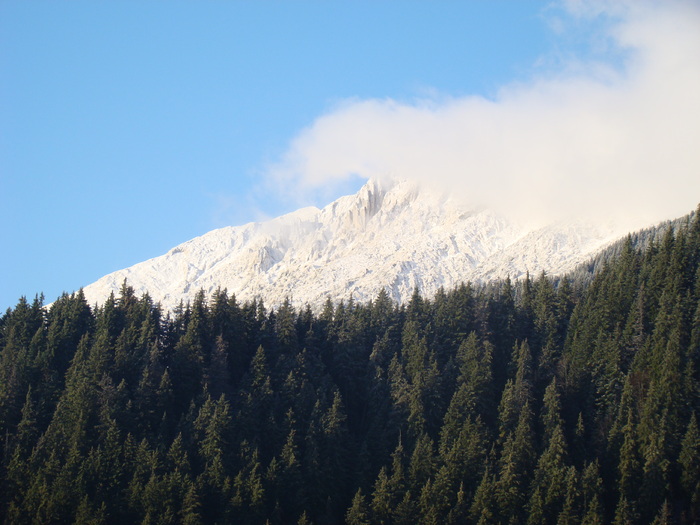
(390, 235)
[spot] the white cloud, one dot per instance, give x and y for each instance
(591, 137)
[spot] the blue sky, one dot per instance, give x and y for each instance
(127, 128)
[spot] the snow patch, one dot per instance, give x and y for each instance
(394, 236)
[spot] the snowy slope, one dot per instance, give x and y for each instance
(391, 235)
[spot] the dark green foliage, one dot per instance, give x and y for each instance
(689, 461)
(358, 513)
(540, 401)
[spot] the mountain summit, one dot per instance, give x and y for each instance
(392, 235)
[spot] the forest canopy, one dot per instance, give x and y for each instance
(541, 401)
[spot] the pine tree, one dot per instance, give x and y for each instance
(475, 374)
(551, 411)
(217, 377)
(665, 515)
(484, 507)
(689, 462)
(460, 511)
(591, 493)
(630, 471)
(357, 513)
(382, 498)
(190, 512)
(516, 464)
(655, 483)
(422, 465)
(549, 476)
(571, 512)
(407, 510)
(624, 513)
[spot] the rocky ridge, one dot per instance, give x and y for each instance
(391, 235)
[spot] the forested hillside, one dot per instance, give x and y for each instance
(533, 402)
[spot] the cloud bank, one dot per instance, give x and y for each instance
(618, 140)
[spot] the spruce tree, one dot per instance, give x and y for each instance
(357, 514)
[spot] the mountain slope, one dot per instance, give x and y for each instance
(390, 235)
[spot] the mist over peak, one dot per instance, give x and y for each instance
(591, 140)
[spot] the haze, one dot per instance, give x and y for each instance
(609, 140)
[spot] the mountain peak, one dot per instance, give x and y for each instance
(392, 234)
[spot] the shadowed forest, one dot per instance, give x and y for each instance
(573, 400)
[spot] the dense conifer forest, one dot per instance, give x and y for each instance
(542, 401)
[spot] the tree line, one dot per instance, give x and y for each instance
(538, 401)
